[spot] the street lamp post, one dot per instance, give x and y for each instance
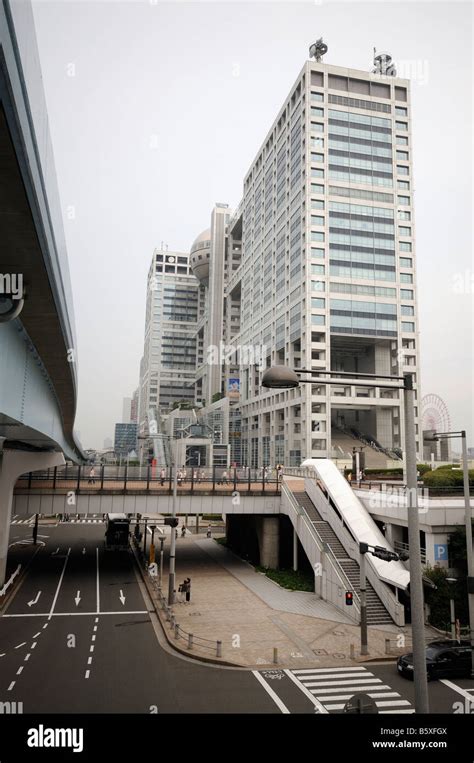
(281, 377)
(172, 563)
(452, 611)
(468, 524)
(162, 540)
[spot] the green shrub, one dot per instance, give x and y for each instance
(446, 478)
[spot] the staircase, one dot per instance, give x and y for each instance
(376, 612)
(345, 442)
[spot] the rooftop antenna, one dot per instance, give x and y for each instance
(317, 50)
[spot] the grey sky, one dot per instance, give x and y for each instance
(166, 107)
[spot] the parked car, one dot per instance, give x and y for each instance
(444, 659)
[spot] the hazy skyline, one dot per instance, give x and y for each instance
(156, 111)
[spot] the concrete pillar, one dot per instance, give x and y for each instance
(269, 540)
(295, 550)
(13, 463)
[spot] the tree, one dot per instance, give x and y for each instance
(438, 598)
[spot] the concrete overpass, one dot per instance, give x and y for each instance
(38, 376)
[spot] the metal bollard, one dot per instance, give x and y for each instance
(352, 652)
(275, 655)
(190, 640)
(387, 646)
(176, 630)
(172, 621)
(219, 649)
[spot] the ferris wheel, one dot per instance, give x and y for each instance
(434, 414)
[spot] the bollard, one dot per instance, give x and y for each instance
(190, 640)
(275, 655)
(387, 646)
(172, 621)
(219, 649)
(352, 652)
(176, 630)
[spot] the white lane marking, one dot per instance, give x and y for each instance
(19, 670)
(27, 656)
(95, 627)
(87, 674)
(345, 682)
(93, 638)
(283, 708)
(3, 654)
(314, 700)
(89, 660)
(78, 598)
(398, 712)
(84, 550)
(97, 579)
(340, 697)
(23, 643)
(45, 626)
(393, 703)
(96, 619)
(80, 614)
(37, 634)
(324, 670)
(59, 585)
(33, 645)
(55, 552)
(92, 648)
(122, 597)
(458, 689)
(356, 687)
(329, 677)
(11, 686)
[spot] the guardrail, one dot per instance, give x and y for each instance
(191, 639)
(339, 573)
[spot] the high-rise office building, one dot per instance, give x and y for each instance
(168, 365)
(126, 410)
(125, 440)
(327, 278)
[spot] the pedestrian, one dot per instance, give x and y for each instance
(208, 534)
(187, 590)
(225, 477)
(202, 476)
(162, 477)
(183, 531)
(349, 478)
(176, 533)
(92, 476)
(180, 593)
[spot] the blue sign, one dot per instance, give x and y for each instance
(441, 552)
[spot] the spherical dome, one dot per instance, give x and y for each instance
(200, 256)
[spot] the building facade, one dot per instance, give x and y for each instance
(327, 276)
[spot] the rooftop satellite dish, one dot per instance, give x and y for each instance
(383, 65)
(318, 49)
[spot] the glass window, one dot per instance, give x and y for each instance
(317, 112)
(408, 326)
(404, 185)
(317, 204)
(407, 310)
(402, 170)
(401, 126)
(317, 126)
(317, 188)
(318, 320)
(317, 173)
(406, 278)
(401, 111)
(317, 157)
(406, 262)
(403, 155)
(317, 236)
(404, 231)
(404, 200)
(317, 252)
(405, 246)
(317, 96)
(317, 285)
(317, 220)
(402, 215)
(317, 270)
(402, 140)
(318, 302)
(406, 294)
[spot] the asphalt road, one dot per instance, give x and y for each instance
(78, 638)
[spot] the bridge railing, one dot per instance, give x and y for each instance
(210, 479)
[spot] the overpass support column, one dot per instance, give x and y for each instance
(295, 549)
(13, 463)
(269, 539)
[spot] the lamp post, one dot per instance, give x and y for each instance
(172, 563)
(452, 611)
(152, 544)
(468, 523)
(282, 377)
(162, 540)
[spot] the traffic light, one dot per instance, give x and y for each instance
(349, 598)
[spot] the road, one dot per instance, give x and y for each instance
(78, 637)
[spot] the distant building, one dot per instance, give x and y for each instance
(134, 406)
(126, 410)
(108, 443)
(125, 438)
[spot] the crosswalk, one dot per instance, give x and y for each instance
(333, 687)
(31, 520)
(27, 521)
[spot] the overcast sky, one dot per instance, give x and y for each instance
(156, 112)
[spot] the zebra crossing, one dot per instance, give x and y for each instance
(27, 521)
(77, 521)
(333, 687)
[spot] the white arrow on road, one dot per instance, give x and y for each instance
(83, 550)
(34, 601)
(78, 598)
(55, 552)
(122, 597)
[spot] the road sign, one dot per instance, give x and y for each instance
(441, 552)
(360, 703)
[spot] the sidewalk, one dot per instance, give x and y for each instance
(252, 615)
